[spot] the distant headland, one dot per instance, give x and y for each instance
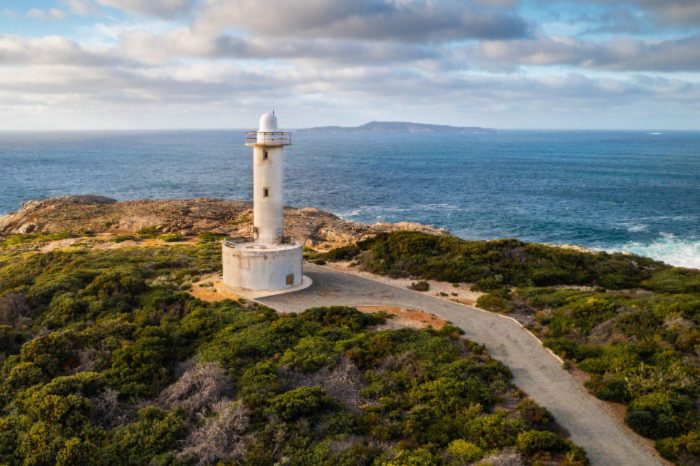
(397, 127)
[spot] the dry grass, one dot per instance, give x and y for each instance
(197, 390)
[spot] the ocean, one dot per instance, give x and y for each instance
(633, 191)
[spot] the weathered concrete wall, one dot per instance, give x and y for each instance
(268, 178)
(254, 266)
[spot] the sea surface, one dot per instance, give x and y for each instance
(615, 191)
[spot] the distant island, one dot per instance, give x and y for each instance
(396, 127)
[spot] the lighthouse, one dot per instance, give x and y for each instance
(272, 261)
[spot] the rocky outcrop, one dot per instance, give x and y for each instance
(76, 214)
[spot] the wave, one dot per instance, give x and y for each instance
(668, 248)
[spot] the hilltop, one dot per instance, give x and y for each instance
(397, 127)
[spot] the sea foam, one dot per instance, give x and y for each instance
(668, 248)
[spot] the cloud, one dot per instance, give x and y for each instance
(147, 47)
(163, 8)
(50, 14)
(620, 54)
(410, 21)
(668, 12)
(679, 11)
(82, 7)
(56, 50)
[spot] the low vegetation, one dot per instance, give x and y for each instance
(106, 362)
(628, 321)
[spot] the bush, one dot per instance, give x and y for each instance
(494, 303)
(535, 441)
(210, 237)
(534, 414)
(122, 238)
(172, 238)
(302, 402)
(419, 286)
(463, 452)
(148, 232)
(656, 415)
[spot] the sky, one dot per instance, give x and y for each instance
(511, 64)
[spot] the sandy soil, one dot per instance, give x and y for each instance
(406, 317)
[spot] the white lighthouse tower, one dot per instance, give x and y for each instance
(273, 261)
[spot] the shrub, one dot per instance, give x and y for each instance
(122, 238)
(494, 303)
(148, 232)
(221, 437)
(310, 354)
(210, 237)
(534, 414)
(302, 402)
(13, 308)
(172, 238)
(614, 390)
(421, 285)
(197, 389)
(341, 316)
(535, 441)
(463, 452)
(655, 415)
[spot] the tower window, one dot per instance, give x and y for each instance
(290, 279)
(265, 156)
(266, 192)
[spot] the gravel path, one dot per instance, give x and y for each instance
(535, 370)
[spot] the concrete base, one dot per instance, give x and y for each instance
(262, 267)
(258, 294)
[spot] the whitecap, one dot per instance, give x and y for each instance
(681, 252)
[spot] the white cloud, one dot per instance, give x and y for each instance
(166, 8)
(411, 21)
(50, 14)
(621, 54)
(82, 7)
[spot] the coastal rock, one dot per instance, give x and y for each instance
(76, 214)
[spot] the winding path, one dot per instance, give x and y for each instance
(534, 369)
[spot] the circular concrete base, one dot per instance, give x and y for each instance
(257, 294)
(262, 267)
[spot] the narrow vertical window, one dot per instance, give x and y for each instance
(266, 192)
(265, 155)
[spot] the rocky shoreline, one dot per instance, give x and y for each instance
(80, 213)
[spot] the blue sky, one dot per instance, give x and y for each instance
(541, 64)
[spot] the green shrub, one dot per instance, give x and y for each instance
(172, 238)
(210, 237)
(494, 303)
(535, 441)
(463, 452)
(302, 402)
(310, 354)
(148, 232)
(656, 415)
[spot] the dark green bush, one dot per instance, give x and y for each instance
(656, 415)
(302, 402)
(535, 441)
